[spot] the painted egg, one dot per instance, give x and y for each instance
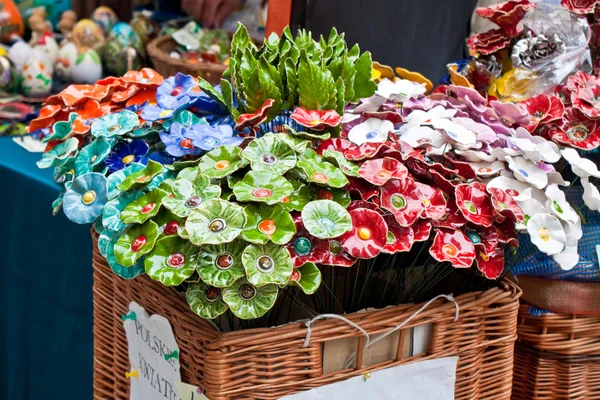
(19, 53)
(8, 74)
(87, 33)
(65, 61)
(87, 68)
(145, 27)
(124, 34)
(105, 17)
(36, 78)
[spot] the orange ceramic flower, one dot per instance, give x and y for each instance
(112, 82)
(125, 94)
(415, 77)
(145, 77)
(90, 110)
(147, 95)
(45, 118)
(78, 94)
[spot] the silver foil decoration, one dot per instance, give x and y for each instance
(532, 51)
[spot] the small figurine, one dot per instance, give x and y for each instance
(66, 24)
(87, 34)
(42, 37)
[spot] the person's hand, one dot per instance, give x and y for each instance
(210, 13)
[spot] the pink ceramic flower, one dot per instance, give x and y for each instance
(317, 120)
(380, 170)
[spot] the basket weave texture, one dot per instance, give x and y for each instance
(268, 363)
(557, 356)
(159, 50)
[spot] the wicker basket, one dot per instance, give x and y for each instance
(268, 363)
(557, 356)
(159, 50)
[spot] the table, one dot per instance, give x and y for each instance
(45, 287)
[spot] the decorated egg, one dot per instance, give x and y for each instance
(65, 61)
(145, 27)
(8, 74)
(105, 17)
(36, 78)
(87, 33)
(19, 53)
(123, 34)
(87, 68)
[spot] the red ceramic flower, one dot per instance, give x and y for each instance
(474, 204)
(144, 77)
(507, 15)
(317, 120)
(380, 170)
(446, 185)
(563, 93)
(491, 265)
(453, 246)
(505, 205)
(424, 168)
(580, 6)
(45, 118)
(402, 198)
(77, 94)
(365, 151)
(336, 256)
(335, 144)
(401, 151)
(581, 79)
(304, 247)
(577, 131)
(354, 204)
(453, 219)
(363, 188)
(507, 234)
(399, 238)
(586, 100)
(256, 118)
(368, 235)
(543, 109)
(465, 169)
(484, 239)
(421, 230)
(432, 201)
(488, 42)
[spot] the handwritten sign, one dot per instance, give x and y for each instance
(154, 353)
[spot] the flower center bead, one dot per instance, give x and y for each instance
(295, 276)
(268, 159)
(484, 256)
(325, 194)
(397, 201)
(383, 174)
(544, 234)
(315, 122)
(470, 207)
(501, 206)
(265, 264)
(320, 177)
(138, 243)
(93, 158)
(557, 207)
(364, 233)
(578, 133)
(114, 128)
(449, 250)
(390, 238)
(286, 199)
(128, 159)
(212, 294)
(327, 223)
(211, 141)
(426, 202)
(223, 164)
(335, 247)
(371, 135)
(193, 201)
(262, 192)
(176, 260)
(186, 144)
(88, 197)
(302, 246)
(474, 237)
(217, 225)
(224, 261)
(143, 178)
(172, 227)
(423, 140)
(176, 90)
(267, 227)
(147, 208)
(165, 113)
(247, 292)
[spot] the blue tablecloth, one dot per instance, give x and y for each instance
(45, 287)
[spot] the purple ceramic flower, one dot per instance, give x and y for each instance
(207, 137)
(177, 144)
(484, 133)
(166, 107)
(176, 86)
(124, 154)
(511, 113)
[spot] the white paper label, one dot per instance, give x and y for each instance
(190, 392)
(30, 144)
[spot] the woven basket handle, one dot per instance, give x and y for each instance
(279, 15)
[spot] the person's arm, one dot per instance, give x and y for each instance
(211, 13)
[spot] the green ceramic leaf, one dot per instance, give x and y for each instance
(249, 302)
(268, 153)
(227, 92)
(135, 242)
(338, 159)
(169, 224)
(212, 92)
(117, 177)
(268, 263)
(122, 271)
(322, 172)
(298, 199)
(61, 130)
(264, 223)
(59, 154)
(307, 278)
(262, 186)
(221, 265)
(143, 208)
(307, 134)
(326, 219)
(206, 301)
(111, 215)
(260, 88)
(340, 196)
(91, 156)
(315, 85)
(215, 221)
(221, 161)
(363, 81)
(185, 118)
(142, 178)
(295, 142)
(172, 260)
(187, 196)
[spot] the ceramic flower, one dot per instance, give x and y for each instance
(206, 137)
(452, 219)
(143, 208)
(547, 233)
(59, 154)
(122, 271)
(506, 205)
(422, 136)
(399, 90)
(221, 161)
(580, 79)
(491, 265)
(269, 153)
(319, 171)
(84, 200)
(117, 124)
(79, 94)
(453, 246)
(177, 143)
(372, 130)
(340, 196)
(214, 222)
(433, 202)
(172, 261)
(511, 114)
(169, 224)
(304, 247)
(586, 100)
(206, 300)
(581, 167)
(176, 86)
(185, 118)
(298, 198)
(535, 148)
(507, 15)
(256, 118)
(264, 223)
(247, 301)
(379, 171)
(336, 256)
(579, 6)
(307, 278)
(368, 235)
(317, 120)
(487, 169)
(135, 242)
(398, 238)
(91, 156)
(118, 177)
(111, 215)
(221, 265)
(569, 257)
(262, 186)
(143, 77)
(187, 195)
(474, 204)
(126, 153)
(403, 199)
(326, 219)
(559, 206)
(365, 151)
(166, 107)
(488, 42)
(577, 131)
(526, 171)
(591, 195)
(267, 264)
(141, 178)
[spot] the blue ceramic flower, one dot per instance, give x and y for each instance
(125, 153)
(176, 86)
(160, 156)
(136, 107)
(116, 124)
(85, 199)
(91, 156)
(118, 177)
(177, 143)
(207, 137)
(277, 124)
(59, 154)
(165, 108)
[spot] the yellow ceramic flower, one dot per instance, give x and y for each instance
(380, 72)
(458, 79)
(415, 77)
(513, 85)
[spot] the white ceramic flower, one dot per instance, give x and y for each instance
(400, 90)
(422, 136)
(535, 148)
(483, 132)
(487, 169)
(591, 195)
(370, 104)
(502, 152)
(581, 167)
(349, 117)
(526, 171)
(559, 206)
(372, 130)
(547, 233)
(438, 151)
(569, 257)
(429, 117)
(475, 156)
(456, 133)
(517, 189)
(530, 208)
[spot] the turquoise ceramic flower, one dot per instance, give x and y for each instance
(142, 178)
(185, 118)
(59, 154)
(92, 155)
(85, 199)
(118, 177)
(116, 124)
(103, 240)
(111, 217)
(122, 271)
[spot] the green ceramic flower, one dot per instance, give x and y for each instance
(264, 223)
(166, 175)
(265, 264)
(206, 301)
(308, 135)
(172, 261)
(307, 278)
(167, 185)
(111, 215)
(247, 301)
(268, 153)
(59, 154)
(221, 265)
(338, 159)
(91, 156)
(319, 171)
(340, 196)
(295, 142)
(215, 221)
(61, 129)
(326, 219)
(222, 161)
(122, 271)
(135, 242)
(116, 178)
(298, 199)
(189, 174)
(169, 224)
(179, 165)
(143, 208)
(185, 118)
(187, 196)
(262, 186)
(142, 178)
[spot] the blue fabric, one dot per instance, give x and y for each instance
(46, 287)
